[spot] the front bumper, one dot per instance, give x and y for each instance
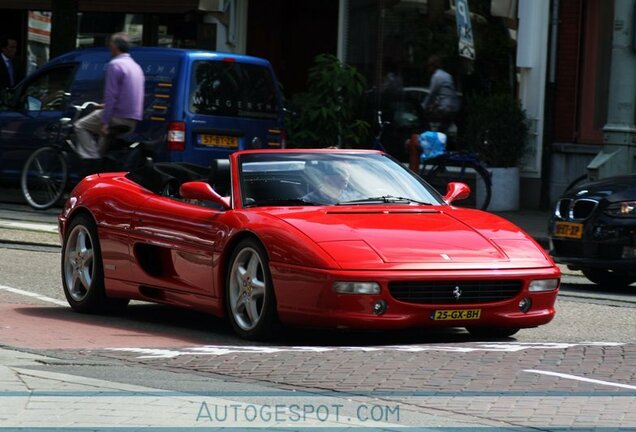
(605, 243)
(305, 297)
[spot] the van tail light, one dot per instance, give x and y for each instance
(176, 136)
(283, 139)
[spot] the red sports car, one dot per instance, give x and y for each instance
(333, 238)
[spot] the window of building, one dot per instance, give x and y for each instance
(38, 39)
(390, 42)
(95, 28)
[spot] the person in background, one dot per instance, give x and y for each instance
(122, 106)
(8, 48)
(441, 103)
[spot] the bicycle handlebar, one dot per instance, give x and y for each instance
(84, 105)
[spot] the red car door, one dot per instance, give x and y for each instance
(173, 245)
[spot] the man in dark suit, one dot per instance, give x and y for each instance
(8, 48)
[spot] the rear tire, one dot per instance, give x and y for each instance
(44, 178)
(609, 278)
(82, 270)
(492, 332)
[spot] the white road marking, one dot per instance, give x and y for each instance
(578, 378)
(217, 350)
(31, 226)
(33, 295)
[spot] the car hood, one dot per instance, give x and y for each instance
(612, 189)
(416, 238)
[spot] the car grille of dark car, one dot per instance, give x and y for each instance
(579, 209)
(445, 292)
(563, 208)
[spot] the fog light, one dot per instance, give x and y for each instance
(629, 252)
(543, 285)
(379, 307)
(356, 288)
(525, 304)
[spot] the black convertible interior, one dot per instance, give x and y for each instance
(258, 187)
(165, 178)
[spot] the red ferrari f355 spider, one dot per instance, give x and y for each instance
(334, 238)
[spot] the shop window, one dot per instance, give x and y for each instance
(95, 28)
(38, 39)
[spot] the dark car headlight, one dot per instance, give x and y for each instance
(622, 209)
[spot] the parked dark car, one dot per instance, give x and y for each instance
(593, 229)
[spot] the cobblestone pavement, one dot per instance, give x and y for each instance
(532, 385)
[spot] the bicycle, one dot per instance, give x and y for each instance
(45, 174)
(459, 166)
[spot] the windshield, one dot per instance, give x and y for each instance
(233, 89)
(339, 178)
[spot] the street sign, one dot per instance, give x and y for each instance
(464, 30)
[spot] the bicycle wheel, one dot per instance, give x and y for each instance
(44, 177)
(474, 175)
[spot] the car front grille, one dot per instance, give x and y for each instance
(563, 208)
(582, 209)
(579, 209)
(455, 292)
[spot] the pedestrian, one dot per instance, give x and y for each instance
(441, 103)
(8, 48)
(122, 105)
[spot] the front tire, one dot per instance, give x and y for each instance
(249, 296)
(609, 278)
(82, 269)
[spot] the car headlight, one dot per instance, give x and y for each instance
(356, 287)
(622, 209)
(541, 285)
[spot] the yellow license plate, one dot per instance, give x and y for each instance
(453, 315)
(568, 230)
(218, 141)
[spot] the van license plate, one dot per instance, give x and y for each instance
(460, 314)
(218, 141)
(568, 230)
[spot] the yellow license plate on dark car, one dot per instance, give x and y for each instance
(453, 315)
(568, 230)
(218, 141)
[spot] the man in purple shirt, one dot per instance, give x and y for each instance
(123, 101)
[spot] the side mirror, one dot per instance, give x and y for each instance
(456, 191)
(198, 190)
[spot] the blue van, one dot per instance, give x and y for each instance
(203, 105)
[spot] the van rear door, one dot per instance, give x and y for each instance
(232, 105)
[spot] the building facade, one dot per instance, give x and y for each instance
(553, 54)
(581, 88)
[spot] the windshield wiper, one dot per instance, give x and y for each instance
(281, 202)
(385, 199)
